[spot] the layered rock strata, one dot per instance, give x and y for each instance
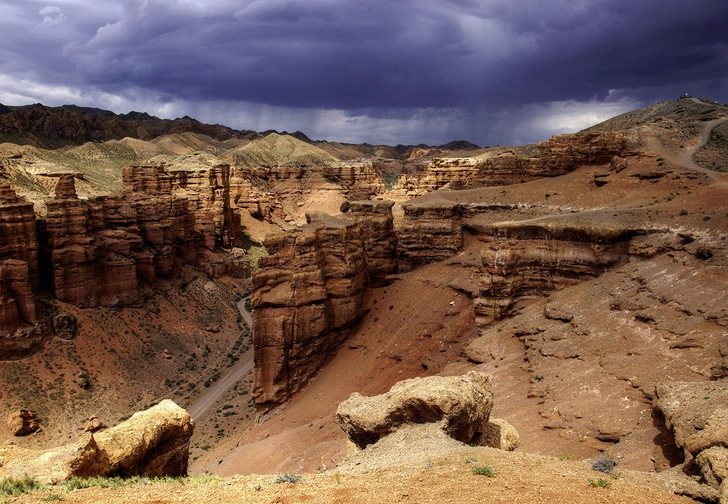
(308, 291)
(557, 156)
(266, 191)
(207, 192)
(208, 195)
(526, 259)
(430, 232)
(100, 251)
(19, 274)
(96, 250)
(379, 240)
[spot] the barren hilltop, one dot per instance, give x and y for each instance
(259, 280)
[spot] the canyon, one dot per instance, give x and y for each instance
(584, 274)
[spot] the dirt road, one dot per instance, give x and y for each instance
(236, 373)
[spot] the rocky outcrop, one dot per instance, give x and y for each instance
(209, 199)
(152, 443)
(207, 192)
(308, 291)
(460, 404)
(23, 422)
(497, 167)
(500, 434)
(269, 192)
(430, 232)
(525, 259)
(305, 295)
(359, 180)
(64, 325)
(696, 413)
(96, 251)
(379, 240)
(522, 261)
(101, 251)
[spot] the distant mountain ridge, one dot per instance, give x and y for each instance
(55, 127)
(71, 125)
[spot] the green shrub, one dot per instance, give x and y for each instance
(600, 483)
(484, 471)
(52, 498)
(13, 487)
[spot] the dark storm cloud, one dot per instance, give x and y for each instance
(382, 59)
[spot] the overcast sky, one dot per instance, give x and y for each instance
(379, 71)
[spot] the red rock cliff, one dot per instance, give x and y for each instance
(309, 291)
(19, 274)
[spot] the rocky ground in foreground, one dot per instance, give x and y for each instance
(433, 477)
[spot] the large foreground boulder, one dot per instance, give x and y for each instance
(153, 443)
(460, 404)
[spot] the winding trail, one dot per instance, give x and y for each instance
(236, 373)
(685, 157)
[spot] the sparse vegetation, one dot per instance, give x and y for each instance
(484, 471)
(49, 304)
(13, 487)
(77, 483)
(600, 483)
(52, 498)
(287, 478)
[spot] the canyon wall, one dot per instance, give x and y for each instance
(557, 156)
(308, 292)
(95, 251)
(209, 199)
(264, 191)
(103, 251)
(19, 274)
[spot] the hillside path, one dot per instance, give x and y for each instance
(237, 372)
(685, 157)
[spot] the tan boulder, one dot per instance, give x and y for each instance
(692, 407)
(153, 443)
(500, 434)
(22, 422)
(460, 404)
(80, 458)
(713, 463)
